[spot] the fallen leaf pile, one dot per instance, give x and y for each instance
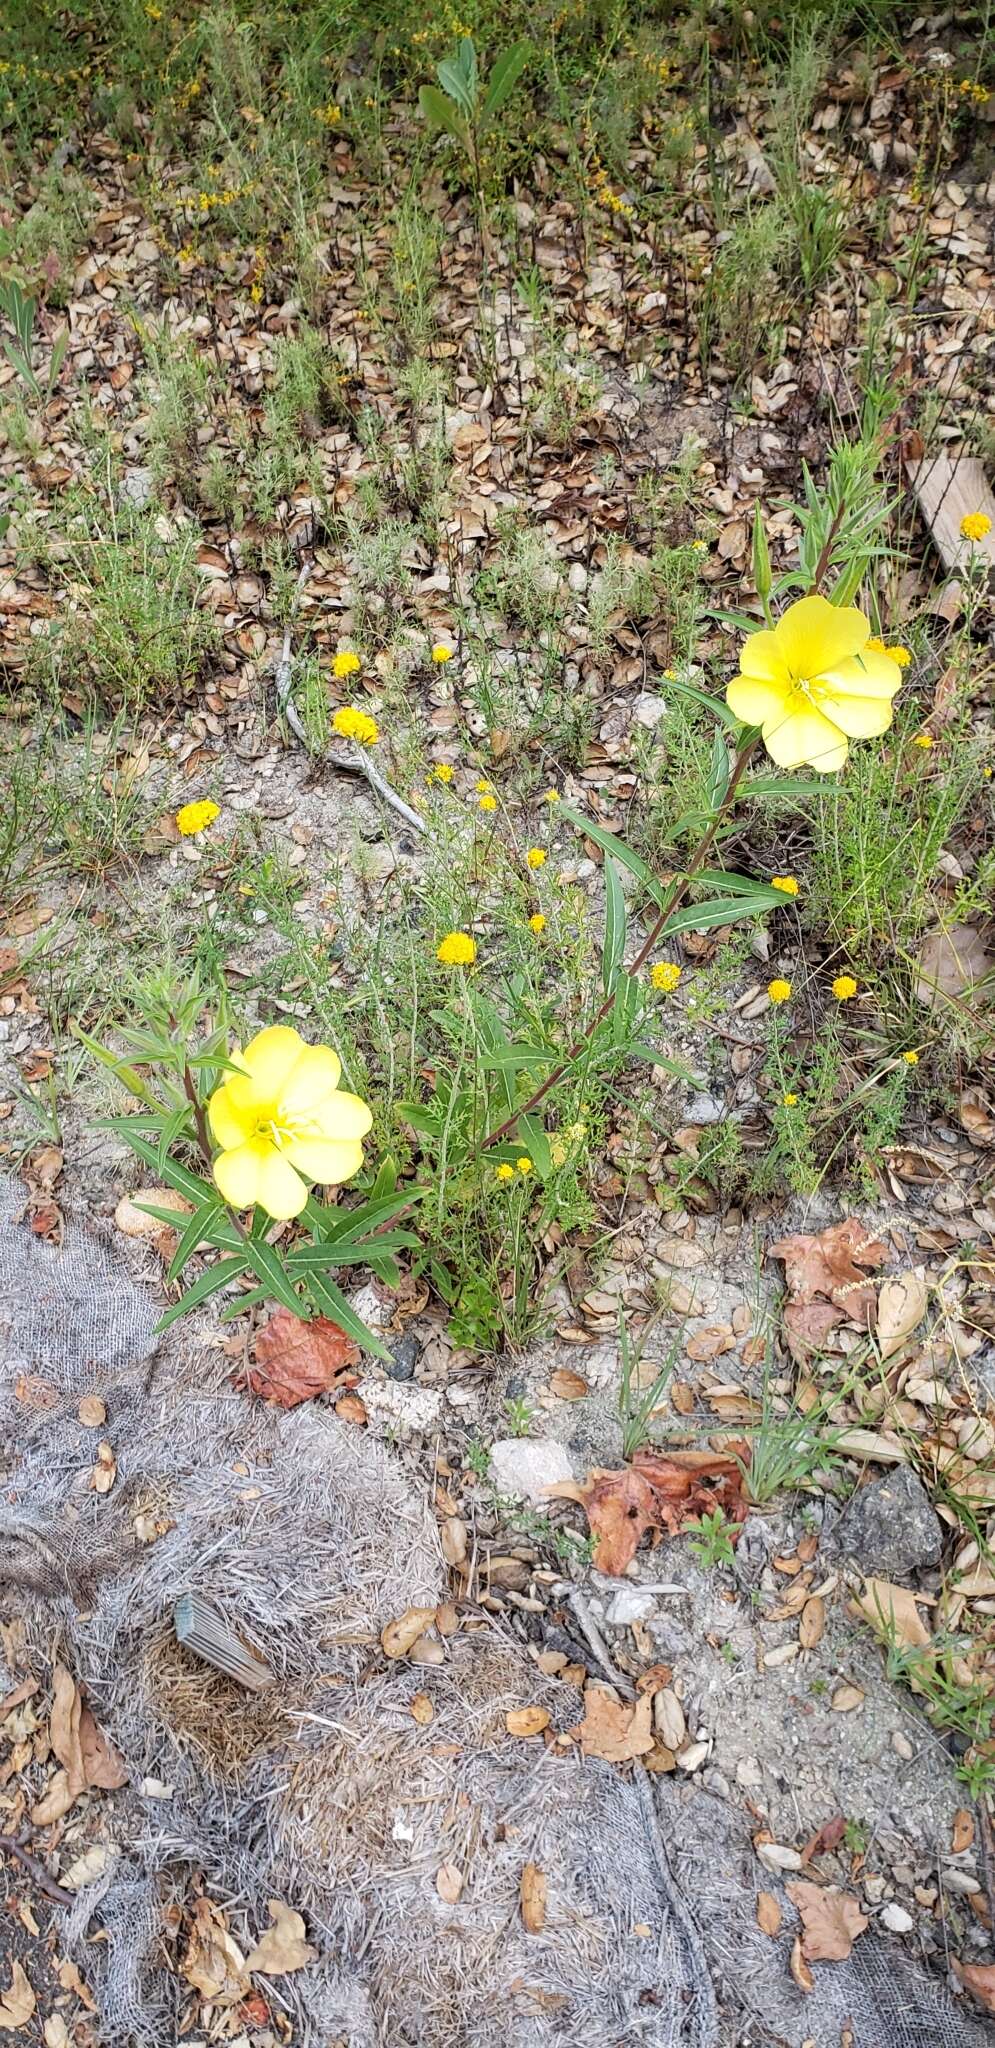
(657, 1493)
(827, 1284)
(87, 1760)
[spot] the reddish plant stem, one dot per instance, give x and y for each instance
(673, 901)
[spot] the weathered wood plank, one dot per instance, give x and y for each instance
(946, 488)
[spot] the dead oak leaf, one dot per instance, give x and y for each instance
(831, 1921)
(979, 1980)
(613, 1730)
(657, 1492)
(297, 1360)
(283, 1947)
(213, 1962)
(824, 1273)
(892, 1612)
(17, 2003)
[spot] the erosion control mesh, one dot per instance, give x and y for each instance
(324, 1791)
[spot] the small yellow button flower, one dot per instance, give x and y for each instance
(844, 987)
(537, 924)
(975, 525)
(482, 786)
(457, 950)
(786, 883)
(536, 857)
(911, 1059)
(346, 664)
(699, 547)
(352, 724)
(902, 655)
(551, 796)
(504, 1171)
(487, 802)
(790, 1101)
(524, 1164)
(196, 817)
(670, 675)
(665, 976)
(924, 740)
(441, 653)
(779, 991)
(443, 772)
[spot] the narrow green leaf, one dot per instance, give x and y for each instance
(616, 925)
(268, 1266)
(331, 1302)
(198, 1228)
(454, 81)
(735, 885)
(209, 1282)
(505, 74)
(787, 785)
(642, 1050)
(703, 917)
(617, 848)
(716, 705)
(536, 1144)
(317, 1258)
(718, 772)
(510, 1056)
(174, 1124)
(175, 1175)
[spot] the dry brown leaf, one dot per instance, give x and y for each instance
(613, 1730)
(102, 1765)
(902, 1304)
(64, 1729)
(297, 1360)
(351, 1408)
(532, 1893)
(831, 1921)
(799, 1968)
(892, 1612)
(962, 1834)
(56, 1800)
(812, 1623)
(398, 1637)
(768, 1913)
(283, 1947)
(526, 1721)
(104, 1470)
(979, 1979)
(952, 961)
(17, 2003)
(449, 1882)
(453, 1539)
(567, 1385)
(657, 1492)
(213, 1962)
(91, 1412)
(827, 1283)
(422, 1709)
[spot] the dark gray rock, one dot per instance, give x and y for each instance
(404, 1357)
(890, 1527)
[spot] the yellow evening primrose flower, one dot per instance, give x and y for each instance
(346, 664)
(487, 802)
(779, 991)
(457, 950)
(790, 1101)
(844, 987)
(524, 1164)
(353, 724)
(665, 976)
(195, 817)
(975, 525)
(812, 685)
(786, 883)
(537, 923)
(283, 1121)
(442, 653)
(911, 1059)
(504, 1171)
(536, 857)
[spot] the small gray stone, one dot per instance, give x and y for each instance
(136, 488)
(891, 1527)
(897, 1919)
(404, 1357)
(525, 1466)
(705, 1109)
(629, 1605)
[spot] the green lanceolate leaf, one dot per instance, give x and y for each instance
(703, 917)
(616, 925)
(730, 884)
(718, 772)
(517, 1056)
(317, 1258)
(505, 74)
(269, 1268)
(454, 80)
(617, 848)
(175, 1175)
(536, 1145)
(440, 112)
(331, 1302)
(209, 1282)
